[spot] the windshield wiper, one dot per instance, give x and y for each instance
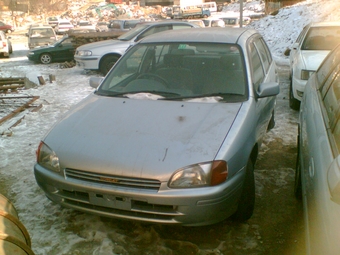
(123, 94)
(223, 95)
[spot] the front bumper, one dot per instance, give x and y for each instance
(189, 207)
(298, 87)
(87, 63)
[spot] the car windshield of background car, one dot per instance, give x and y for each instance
(179, 71)
(132, 33)
(321, 38)
(42, 32)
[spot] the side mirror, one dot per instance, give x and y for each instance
(95, 81)
(287, 52)
(333, 178)
(268, 89)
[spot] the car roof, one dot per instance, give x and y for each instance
(168, 21)
(325, 24)
(211, 35)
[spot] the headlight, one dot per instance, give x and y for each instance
(47, 158)
(84, 53)
(305, 74)
(200, 175)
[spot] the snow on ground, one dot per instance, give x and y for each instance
(47, 224)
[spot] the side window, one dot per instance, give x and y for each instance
(332, 99)
(154, 30)
(336, 134)
(327, 68)
(264, 53)
(256, 67)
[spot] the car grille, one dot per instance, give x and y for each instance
(116, 181)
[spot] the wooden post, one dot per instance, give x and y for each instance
(41, 80)
(52, 78)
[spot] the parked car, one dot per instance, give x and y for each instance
(63, 26)
(6, 28)
(123, 24)
(235, 21)
(102, 26)
(317, 176)
(315, 41)
(52, 21)
(103, 55)
(171, 134)
(40, 35)
(198, 22)
(5, 45)
(213, 22)
(62, 50)
(84, 24)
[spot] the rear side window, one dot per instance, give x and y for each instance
(264, 53)
(327, 68)
(256, 67)
(332, 99)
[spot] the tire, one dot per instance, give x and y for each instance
(45, 58)
(297, 180)
(107, 63)
(10, 51)
(246, 203)
(293, 102)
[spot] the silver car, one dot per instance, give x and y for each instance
(103, 55)
(171, 134)
(317, 179)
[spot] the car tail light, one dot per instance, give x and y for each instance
(4, 44)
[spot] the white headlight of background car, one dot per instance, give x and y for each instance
(84, 53)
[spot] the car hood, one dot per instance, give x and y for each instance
(313, 58)
(104, 43)
(44, 47)
(140, 138)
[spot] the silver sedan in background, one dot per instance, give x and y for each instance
(317, 178)
(171, 134)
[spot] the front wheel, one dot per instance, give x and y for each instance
(247, 200)
(45, 58)
(107, 63)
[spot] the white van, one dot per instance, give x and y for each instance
(40, 35)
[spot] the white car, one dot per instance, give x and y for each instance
(63, 26)
(311, 47)
(5, 45)
(235, 21)
(103, 55)
(213, 22)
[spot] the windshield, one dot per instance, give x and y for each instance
(64, 40)
(132, 33)
(321, 38)
(179, 71)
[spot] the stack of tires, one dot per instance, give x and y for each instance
(14, 238)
